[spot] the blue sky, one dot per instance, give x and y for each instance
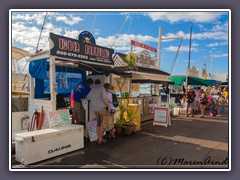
(115, 29)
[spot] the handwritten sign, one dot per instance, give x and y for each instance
(92, 130)
(59, 118)
(161, 116)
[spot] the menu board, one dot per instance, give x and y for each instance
(92, 130)
(161, 116)
(59, 118)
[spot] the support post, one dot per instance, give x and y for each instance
(159, 46)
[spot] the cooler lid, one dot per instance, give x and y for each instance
(47, 133)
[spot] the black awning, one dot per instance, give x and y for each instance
(102, 69)
(150, 81)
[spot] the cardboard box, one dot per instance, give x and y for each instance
(108, 123)
(35, 146)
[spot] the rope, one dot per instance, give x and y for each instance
(41, 31)
(93, 22)
(121, 28)
(84, 21)
(130, 24)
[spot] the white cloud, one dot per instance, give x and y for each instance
(182, 49)
(30, 17)
(220, 55)
(122, 42)
(70, 21)
(184, 16)
(218, 44)
(97, 32)
(28, 36)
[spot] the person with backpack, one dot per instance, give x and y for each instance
(112, 98)
(189, 98)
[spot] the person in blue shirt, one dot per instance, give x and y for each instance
(80, 92)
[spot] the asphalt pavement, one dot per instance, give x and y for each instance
(189, 142)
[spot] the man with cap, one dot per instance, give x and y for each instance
(190, 97)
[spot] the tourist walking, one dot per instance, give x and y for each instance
(190, 97)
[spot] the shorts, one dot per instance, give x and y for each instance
(78, 108)
(99, 116)
(190, 105)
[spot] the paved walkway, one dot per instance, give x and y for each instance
(187, 143)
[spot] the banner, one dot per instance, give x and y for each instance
(65, 47)
(143, 46)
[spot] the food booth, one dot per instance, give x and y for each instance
(53, 75)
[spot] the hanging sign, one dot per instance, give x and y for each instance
(145, 59)
(84, 50)
(161, 116)
(143, 46)
(59, 118)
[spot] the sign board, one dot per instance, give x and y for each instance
(59, 118)
(161, 116)
(92, 130)
(65, 47)
(143, 46)
(145, 59)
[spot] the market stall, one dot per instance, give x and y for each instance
(145, 73)
(53, 75)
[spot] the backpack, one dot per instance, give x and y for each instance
(114, 100)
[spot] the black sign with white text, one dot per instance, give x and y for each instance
(73, 49)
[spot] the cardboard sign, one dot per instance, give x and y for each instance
(59, 118)
(108, 123)
(92, 130)
(161, 116)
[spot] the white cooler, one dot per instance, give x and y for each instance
(43, 144)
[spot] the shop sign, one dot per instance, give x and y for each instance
(145, 59)
(65, 47)
(143, 46)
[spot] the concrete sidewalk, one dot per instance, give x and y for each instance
(187, 143)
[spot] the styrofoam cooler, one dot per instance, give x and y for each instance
(182, 110)
(43, 144)
(176, 111)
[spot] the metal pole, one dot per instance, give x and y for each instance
(159, 46)
(190, 45)
(212, 66)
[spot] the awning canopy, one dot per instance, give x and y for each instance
(102, 69)
(146, 75)
(179, 79)
(18, 53)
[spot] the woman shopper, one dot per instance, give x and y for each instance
(203, 101)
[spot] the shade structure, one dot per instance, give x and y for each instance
(146, 75)
(138, 77)
(18, 53)
(103, 69)
(179, 79)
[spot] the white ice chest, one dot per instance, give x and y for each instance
(43, 144)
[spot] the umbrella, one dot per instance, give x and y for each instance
(40, 119)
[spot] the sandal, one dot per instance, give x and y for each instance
(99, 141)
